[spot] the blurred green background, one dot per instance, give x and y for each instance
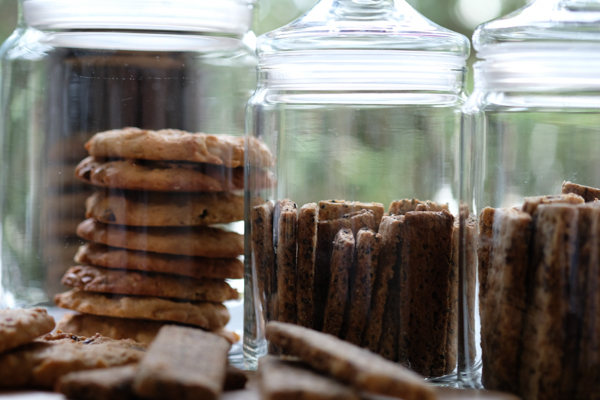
(459, 15)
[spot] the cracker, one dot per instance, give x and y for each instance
(368, 244)
(105, 280)
(293, 380)
(287, 246)
(342, 258)
(326, 231)
(335, 209)
(204, 315)
(425, 290)
(390, 230)
(141, 208)
(172, 144)
(159, 176)
(530, 204)
(401, 207)
(42, 363)
(98, 384)
(588, 193)
(363, 370)
(263, 256)
(199, 241)
(195, 267)
(307, 248)
(544, 334)
(21, 326)
(183, 363)
(505, 308)
(140, 330)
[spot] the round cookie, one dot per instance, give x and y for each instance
(206, 315)
(159, 176)
(134, 208)
(198, 241)
(106, 280)
(143, 331)
(195, 267)
(176, 145)
(21, 326)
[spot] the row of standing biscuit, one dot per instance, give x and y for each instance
(539, 274)
(386, 282)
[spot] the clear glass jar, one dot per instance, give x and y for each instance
(78, 70)
(532, 128)
(359, 102)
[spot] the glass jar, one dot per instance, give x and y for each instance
(131, 80)
(359, 102)
(531, 137)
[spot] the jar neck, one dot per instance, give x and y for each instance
(362, 9)
(357, 70)
(539, 67)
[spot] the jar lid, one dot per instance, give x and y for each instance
(549, 45)
(565, 21)
(364, 44)
(221, 16)
(364, 24)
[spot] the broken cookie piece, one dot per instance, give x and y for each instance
(588, 193)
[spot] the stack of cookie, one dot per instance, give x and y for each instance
(151, 253)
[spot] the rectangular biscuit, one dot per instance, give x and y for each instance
(263, 257)
(293, 380)
(470, 255)
(390, 327)
(585, 304)
(307, 249)
(544, 336)
(390, 230)
(505, 308)
(588, 193)
(183, 363)
(334, 209)
(287, 246)
(484, 246)
(452, 341)
(342, 258)
(401, 207)
(361, 286)
(326, 231)
(486, 223)
(530, 204)
(362, 369)
(425, 269)
(99, 384)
